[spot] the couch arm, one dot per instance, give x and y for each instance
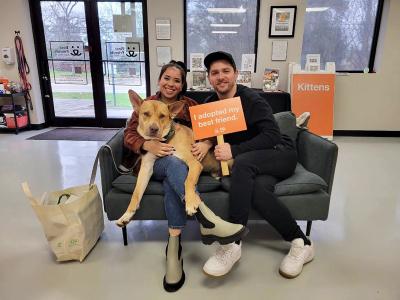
(107, 167)
(317, 155)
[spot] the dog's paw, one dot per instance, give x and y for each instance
(190, 210)
(192, 203)
(125, 219)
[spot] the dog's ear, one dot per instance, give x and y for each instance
(175, 108)
(135, 100)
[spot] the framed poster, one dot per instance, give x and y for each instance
(282, 21)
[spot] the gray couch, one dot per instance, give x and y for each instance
(306, 193)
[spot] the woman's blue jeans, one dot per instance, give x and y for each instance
(172, 171)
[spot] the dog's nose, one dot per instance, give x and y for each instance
(153, 129)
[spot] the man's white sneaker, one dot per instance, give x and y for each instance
(223, 260)
(299, 255)
(302, 120)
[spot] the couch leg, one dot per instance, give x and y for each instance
(308, 230)
(125, 236)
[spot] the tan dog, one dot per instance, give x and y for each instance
(156, 122)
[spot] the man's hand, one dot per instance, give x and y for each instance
(200, 149)
(223, 152)
(157, 148)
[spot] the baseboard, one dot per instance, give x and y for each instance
(374, 133)
(39, 126)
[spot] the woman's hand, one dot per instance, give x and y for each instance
(157, 148)
(200, 149)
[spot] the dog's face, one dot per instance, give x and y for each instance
(154, 119)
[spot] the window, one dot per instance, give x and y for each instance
(342, 31)
(225, 25)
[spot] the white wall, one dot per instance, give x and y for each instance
(15, 16)
(171, 9)
(372, 101)
(362, 101)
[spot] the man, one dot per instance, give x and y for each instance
(262, 156)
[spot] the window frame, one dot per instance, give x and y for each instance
(375, 37)
(185, 40)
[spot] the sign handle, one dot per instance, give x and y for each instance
(224, 164)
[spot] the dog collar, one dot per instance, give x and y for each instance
(170, 133)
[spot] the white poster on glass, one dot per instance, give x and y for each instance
(248, 61)
(196, 62)
(313, 62)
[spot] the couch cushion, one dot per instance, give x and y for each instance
(287, 124)
(126, 183)
(301, 182)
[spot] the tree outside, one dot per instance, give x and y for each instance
(342, 33)
(201, 24)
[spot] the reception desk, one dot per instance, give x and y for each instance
(279, 101)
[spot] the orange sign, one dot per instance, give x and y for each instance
(314, 93)
(217, 118)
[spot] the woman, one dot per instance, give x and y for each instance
(173, 172)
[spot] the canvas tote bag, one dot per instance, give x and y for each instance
(72, 219)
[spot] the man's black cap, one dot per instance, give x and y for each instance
(218, 55)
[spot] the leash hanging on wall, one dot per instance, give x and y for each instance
(23, 67)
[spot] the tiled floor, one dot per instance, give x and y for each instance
(357, 248)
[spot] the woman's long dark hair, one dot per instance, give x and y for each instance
(182, 68)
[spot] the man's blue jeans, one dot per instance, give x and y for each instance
(172, 171)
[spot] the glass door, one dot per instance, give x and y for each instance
(123, 54)
(91, 53)
(68, 58)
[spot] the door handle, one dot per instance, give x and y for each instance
(87, 48)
